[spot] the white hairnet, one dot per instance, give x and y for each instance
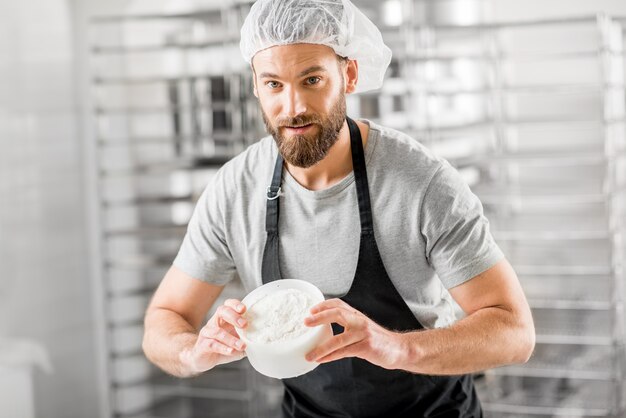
(334, 23)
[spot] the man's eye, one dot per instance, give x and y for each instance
(272, 84)
(313, 80)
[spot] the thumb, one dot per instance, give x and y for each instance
(236, 356)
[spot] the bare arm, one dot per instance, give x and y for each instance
(498, 330)
(174, 336)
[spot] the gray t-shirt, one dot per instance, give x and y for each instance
(429, 226)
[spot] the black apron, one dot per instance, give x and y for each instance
(353, 387)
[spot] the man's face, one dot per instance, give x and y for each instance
(301, 85)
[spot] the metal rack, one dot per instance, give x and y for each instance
(542, 146)
(169, 110)
(544, 149)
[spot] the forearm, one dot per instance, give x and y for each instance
(488, 338)
(167, 338)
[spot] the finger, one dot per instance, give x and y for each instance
(230, 316)
(335, 343)
(216, 322)
(231, 330)
(348, 351)
(223, 337)
(217, 347)
(237, 355)
(328, 316)
(328, 304)
(236, 305)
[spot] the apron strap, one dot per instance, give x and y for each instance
(270, 269)
(360, 178)
(273, 192)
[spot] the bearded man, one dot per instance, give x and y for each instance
(388, 231)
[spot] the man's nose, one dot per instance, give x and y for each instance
(295, 103)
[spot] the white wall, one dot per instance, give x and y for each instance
(44, 284)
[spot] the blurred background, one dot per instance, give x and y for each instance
(114, 115)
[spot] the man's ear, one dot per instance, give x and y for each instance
(254, 88)
(352, 75)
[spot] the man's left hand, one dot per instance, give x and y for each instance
(361, 337)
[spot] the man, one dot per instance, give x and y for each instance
(388, 231)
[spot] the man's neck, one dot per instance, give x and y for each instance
(334, 167)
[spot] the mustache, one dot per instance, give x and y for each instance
(299, 120)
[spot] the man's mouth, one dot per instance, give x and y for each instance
(298, 129)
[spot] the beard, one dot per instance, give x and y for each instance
(308, 149)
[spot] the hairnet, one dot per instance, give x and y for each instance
(334, 23)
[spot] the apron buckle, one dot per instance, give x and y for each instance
(273, 192)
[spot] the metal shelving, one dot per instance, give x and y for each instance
(544, 149)
(165, 121)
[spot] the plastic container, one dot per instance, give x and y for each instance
(284, 359)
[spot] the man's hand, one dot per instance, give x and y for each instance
(361, 337)
(218, 342)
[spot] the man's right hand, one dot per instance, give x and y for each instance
(217, 342)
